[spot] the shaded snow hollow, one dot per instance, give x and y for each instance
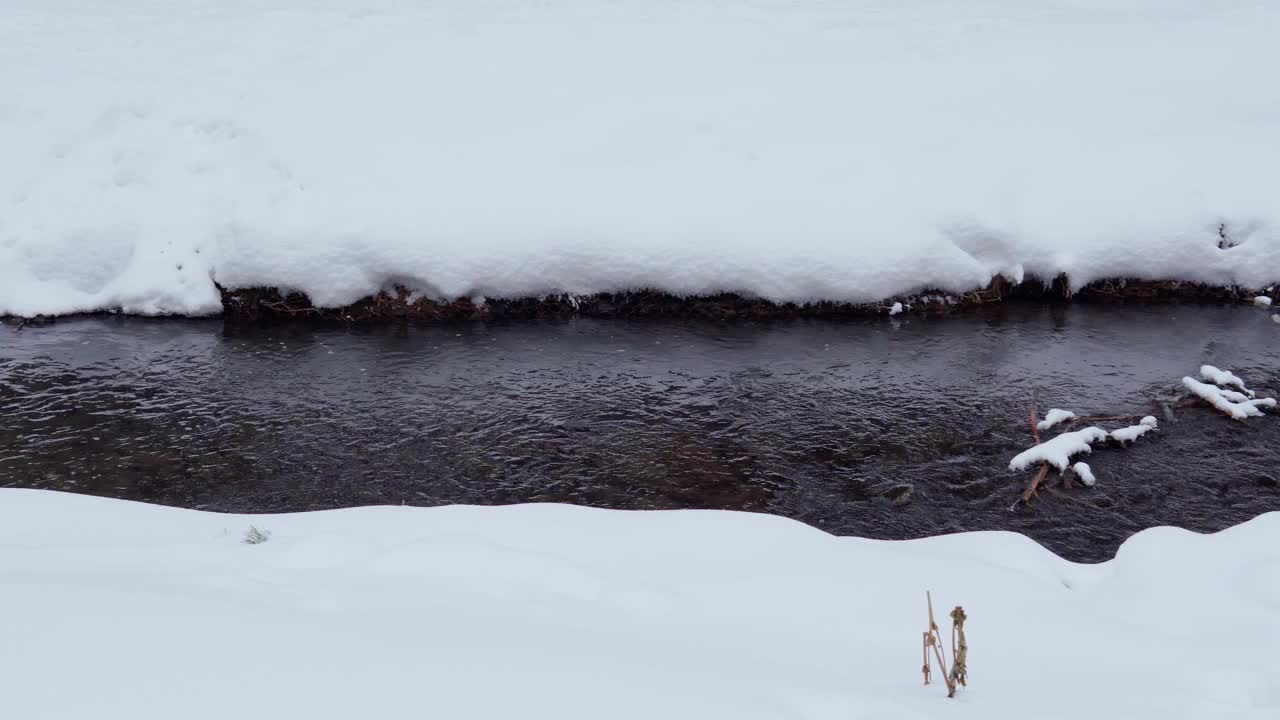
(847, 151)
(567, 613)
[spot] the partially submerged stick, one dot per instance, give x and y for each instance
(1044, 469)
(1032, 489)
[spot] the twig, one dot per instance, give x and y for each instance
(959, 651)
(283, 306)
(1035, 483)
(932, 638)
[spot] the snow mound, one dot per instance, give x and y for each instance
(1057, 451)
(837, 151)
(1085, 472)
(1222, 377)
(1127, 435)
(1262, 301)
(552, 611)
(1053, 417)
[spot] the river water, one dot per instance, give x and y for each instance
(879, 428)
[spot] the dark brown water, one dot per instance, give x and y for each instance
(876, 428)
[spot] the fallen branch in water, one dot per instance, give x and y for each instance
(1044, 469)
(1032, 489)
(1109, 418)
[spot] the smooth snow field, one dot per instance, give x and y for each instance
(793, 150)
(120, 610)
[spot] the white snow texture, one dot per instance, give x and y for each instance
(1085, 472)
(1222, 377)
(794, 150)
(1239, 405)
(1058, 450)
(548, 612)
(1053, 417)
(1127, 435)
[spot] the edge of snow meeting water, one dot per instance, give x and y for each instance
(847, 152)
(385, 611)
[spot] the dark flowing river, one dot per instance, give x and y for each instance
(879, 428)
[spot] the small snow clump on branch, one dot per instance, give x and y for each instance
(1085, 472)
(1133, 432)
(1053, 417)
(1058, 451)
(1222, 377)
(1232, 403)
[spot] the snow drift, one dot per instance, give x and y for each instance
(132, 610)
(791, 150)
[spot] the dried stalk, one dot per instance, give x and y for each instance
(959, 651)
(932, 638)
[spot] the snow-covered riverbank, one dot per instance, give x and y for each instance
(790, 150)
(120, 610)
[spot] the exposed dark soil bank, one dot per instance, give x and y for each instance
(889, 428)
(400, 304)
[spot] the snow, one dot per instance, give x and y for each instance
(1262, 301)
(1275, 318)
(1057, 451)
(1233, 396)
(895, 309)
(1085, 472)
(1222, 377)
(546, 611)
(1053, 417)
(795, 150)
(1127, 435)
(1238, 406)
